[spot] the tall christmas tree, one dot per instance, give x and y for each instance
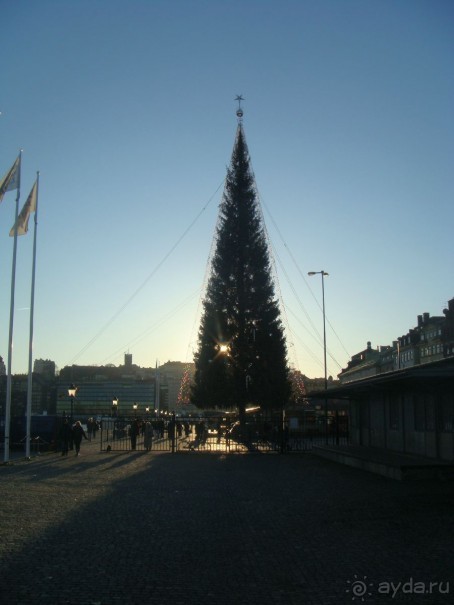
(242, 357)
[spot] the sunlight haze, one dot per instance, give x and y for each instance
(127, 110)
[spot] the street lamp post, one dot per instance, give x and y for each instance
(72, 390)
(114, 416)
(134, 407)
(323, 274)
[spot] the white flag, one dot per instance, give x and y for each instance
(29, 207)
(11, 180)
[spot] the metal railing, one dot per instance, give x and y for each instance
(189, 434)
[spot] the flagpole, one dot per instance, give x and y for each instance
(157, 387)
(11, 321)
(30, 347)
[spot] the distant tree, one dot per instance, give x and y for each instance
(297, 381)
(242, 356)
(184, 392)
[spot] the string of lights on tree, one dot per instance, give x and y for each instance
(185, 388)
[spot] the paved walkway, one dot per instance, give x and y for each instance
(194, 528)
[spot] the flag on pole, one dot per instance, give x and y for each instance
(28, 208)
(11, 180)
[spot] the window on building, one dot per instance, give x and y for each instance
(447, 413)
(365, 415)
(430, 413)
(420, 416)
(354, 411)
(394, 414)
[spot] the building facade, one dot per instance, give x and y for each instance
(129, 383)
(448, 329)
(136, 390)
(410, 410)
(45, 367)
(96, 398)
(432, 339)
(172, 374)
(44, 394)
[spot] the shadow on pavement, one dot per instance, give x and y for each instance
(169, 529)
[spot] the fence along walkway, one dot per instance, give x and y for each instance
(190, 435)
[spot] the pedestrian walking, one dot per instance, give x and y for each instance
(148, 436)
(171, 432)
(134, 433)
(78, 433)
(65, 437)
(90, 428)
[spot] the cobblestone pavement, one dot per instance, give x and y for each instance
(194, 528)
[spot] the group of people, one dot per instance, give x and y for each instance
(93, 427)
(150, 430)
(147, 430)
(71, 436)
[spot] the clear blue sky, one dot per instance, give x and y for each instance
(127, 110)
